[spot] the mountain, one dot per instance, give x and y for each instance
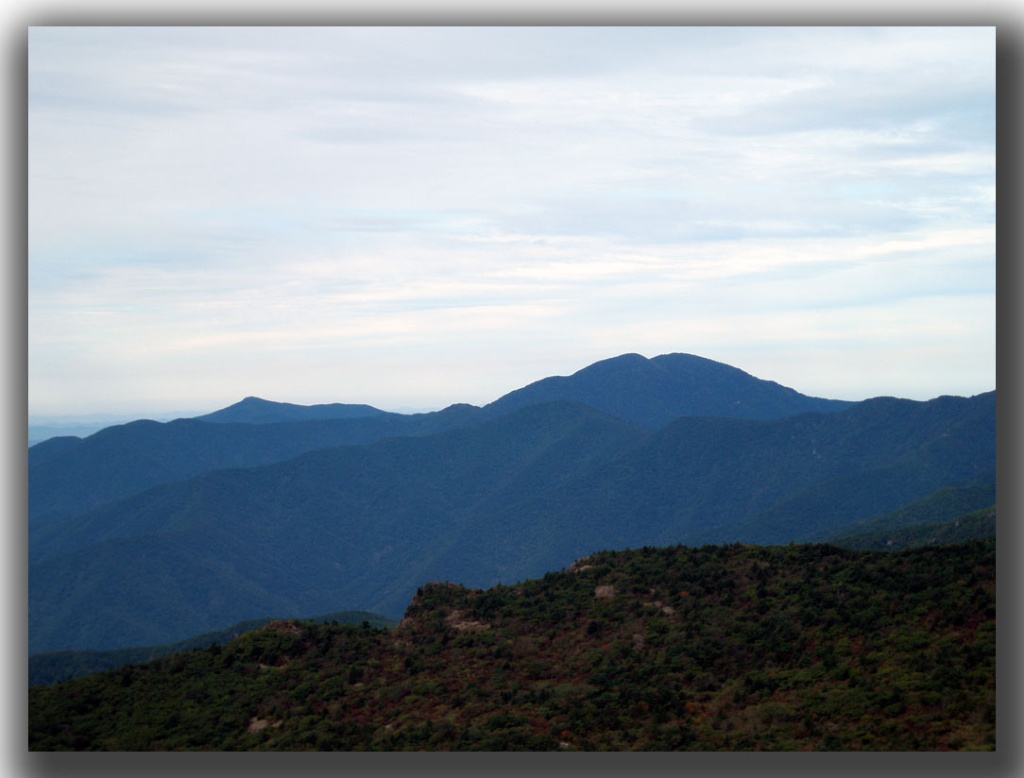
(718, 648)
(492, 502)
(69, 476)
(942, 506)
(40, 433)
(978, 525)
(653, 392)
(296, 537)
(703, 480)
(253, 410)
(51, 447)
(56, 666)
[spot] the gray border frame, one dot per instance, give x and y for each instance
(15, 759)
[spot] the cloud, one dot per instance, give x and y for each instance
(224, 191)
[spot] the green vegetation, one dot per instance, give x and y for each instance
(54, 666)
(976, 525)
(942, 505)
(733, 647)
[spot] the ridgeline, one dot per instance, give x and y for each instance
(729, 647)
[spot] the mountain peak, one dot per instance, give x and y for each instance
(256, 410)
(653, 392)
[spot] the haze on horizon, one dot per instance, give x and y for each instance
(413, 217)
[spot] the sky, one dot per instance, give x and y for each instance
(413, 217)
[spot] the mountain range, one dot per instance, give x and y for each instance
(148, 533)
(69, 475)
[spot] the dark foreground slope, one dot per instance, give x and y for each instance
(714, 648)
(362, 527)
(55, 666)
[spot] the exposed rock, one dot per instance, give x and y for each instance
(284, 627)
(580, 565)
(258, 724)
(455, 621)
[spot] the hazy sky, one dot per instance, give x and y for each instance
(411, 217)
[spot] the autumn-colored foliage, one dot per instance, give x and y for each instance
(800, 647)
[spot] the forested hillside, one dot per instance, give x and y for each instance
(799, 647)
(972, 526)
(52, 667)
(940, 506)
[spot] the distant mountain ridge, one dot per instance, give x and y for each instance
(236, 544)
(254, 410)
(979, 525)
(647, 392)
(513, 497)
(653, 392)
(68, 476)
(946, 504)
(148, 532)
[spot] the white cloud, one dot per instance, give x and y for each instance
(547, 191)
